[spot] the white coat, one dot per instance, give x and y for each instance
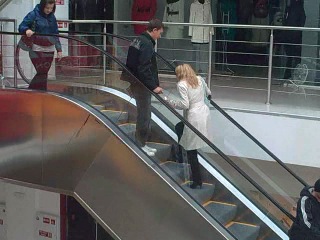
(200, 13)
(197, 113)
(174, 12)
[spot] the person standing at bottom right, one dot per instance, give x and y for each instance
(307, 223)
(192, 90)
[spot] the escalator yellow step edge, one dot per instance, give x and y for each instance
(108, 110)
(245, 224)
(224, 203)
(123, 124)
(186, 182)
(164, 144)
(165, 161)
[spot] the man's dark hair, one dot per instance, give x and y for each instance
(154, 23)
(43, 4)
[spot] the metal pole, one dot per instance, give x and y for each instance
(2, 69)
(104, 56)
(15, 80)
(270, 68)
(96, 230)
(210, 59)
(1, 51)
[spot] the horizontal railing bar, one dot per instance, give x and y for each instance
(195, 25)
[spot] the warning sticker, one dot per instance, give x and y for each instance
(45, 234)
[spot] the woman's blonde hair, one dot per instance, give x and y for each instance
(185, 72)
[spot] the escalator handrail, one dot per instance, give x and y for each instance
(163, 102)
(216, 106)
(256, 141)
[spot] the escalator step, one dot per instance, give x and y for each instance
(163, 151)
(176, 170)
(116, 116)
(202, 195)
(98, 106)
(244, 231)
(223, 212)
(129, 129)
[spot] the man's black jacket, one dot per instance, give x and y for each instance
(141, 60)
(307, 223)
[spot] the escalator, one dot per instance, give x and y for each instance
(123, 187)
(4, 3)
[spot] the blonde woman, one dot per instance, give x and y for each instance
(192, 90)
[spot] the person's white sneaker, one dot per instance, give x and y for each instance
(147, 151)
(151, 149)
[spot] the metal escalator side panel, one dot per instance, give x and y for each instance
(81, 153)
(47, 136)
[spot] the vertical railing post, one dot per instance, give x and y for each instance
(15, 72)
(270, 68)
(210, 59)
(96, 230)
(1, 51)
(105, 49)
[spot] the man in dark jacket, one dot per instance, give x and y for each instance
(307, 223)
(141, 61)
(294, 17)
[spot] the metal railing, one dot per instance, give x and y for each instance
(210, 144)
(3, 21)
(210, 62)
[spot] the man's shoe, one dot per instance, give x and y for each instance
(151, 149)
(147, 151)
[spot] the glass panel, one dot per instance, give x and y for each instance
(114, 92)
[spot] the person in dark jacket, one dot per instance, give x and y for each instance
(141, 61)
(42, 20)
(294, 17)
(307, 223)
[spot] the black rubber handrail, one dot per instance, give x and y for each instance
(217, 150)
(256, 141)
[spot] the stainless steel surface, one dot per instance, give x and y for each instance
(270, 67)
(15, 71)
(52, 142)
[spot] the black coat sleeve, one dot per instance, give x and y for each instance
(307, 217)
(145, 66)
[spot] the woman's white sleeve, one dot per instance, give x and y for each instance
(208, 91)
(183, 102)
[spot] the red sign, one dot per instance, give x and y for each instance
(45, 234)
(59, 2)
(46, 220)
(60, 24)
